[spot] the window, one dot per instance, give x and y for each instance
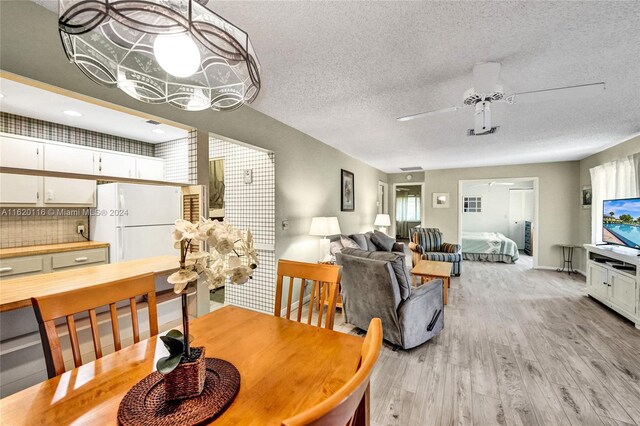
(407, 208)
(472, 205)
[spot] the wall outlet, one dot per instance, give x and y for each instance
(285, 224)
(80, 229)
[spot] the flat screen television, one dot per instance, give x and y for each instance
(621, 222)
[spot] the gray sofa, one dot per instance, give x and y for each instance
(376, 284)
(364, 242)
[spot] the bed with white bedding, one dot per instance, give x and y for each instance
(489, 247)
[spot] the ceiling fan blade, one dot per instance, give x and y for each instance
(425, 114)
(485, 77)
(580, 91)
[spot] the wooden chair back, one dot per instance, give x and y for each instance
(325, 279)
(65, 305)
(350, 404)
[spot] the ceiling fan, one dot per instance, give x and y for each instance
(486, 91)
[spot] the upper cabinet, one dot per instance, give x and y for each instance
(19, 153)
(149, 168)
(68, 158)
(115, 165)
(36, 191)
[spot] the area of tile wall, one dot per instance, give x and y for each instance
(251, 206)
(22, 231)
(175, 154)
(26, 126)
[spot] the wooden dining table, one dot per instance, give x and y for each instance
(285, 368)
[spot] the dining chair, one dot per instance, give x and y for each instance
(67, 304)
(325, 279)
(350, 405)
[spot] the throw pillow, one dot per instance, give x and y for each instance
(348, 242)
(359, 239)
(335, 247)
(382, 241)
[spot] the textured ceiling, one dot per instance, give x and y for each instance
(342, 71)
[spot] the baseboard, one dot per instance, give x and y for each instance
(555, 268)
(295, 304)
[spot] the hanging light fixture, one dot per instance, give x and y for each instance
(164, 51)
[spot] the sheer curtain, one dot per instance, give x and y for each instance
(407, 213)
(617, 179)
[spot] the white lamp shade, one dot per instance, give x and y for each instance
(382, 220)
(324, 226)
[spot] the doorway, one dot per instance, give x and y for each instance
(506, 206)
(407, 209)
(383, 197)
(242, 192)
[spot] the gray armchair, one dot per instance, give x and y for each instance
(376, 284)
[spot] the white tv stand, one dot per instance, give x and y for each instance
(613, 278)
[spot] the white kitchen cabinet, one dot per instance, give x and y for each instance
(19, 189)
(115, 165)
(68, 158)
(613, 277)
(150, 168)
(78, 192)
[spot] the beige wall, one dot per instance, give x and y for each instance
(307, 171)
(559, 201)
(630, 147)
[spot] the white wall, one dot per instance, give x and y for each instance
(495, 206)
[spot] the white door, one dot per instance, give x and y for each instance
(150, 168)
(19, 189)
(116, 165)
(80, 192)
(520, 211)
(139, 242)
(148, 204)
(623, 292)
(598, 280)
(68, 158)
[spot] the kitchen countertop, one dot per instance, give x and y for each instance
(17, 292)
(7, 253)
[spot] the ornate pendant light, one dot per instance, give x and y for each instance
(163, 51)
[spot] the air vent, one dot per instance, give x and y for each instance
(472, 132)
(411, 169)
(155, 123)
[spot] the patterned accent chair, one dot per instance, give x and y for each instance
(426, 244)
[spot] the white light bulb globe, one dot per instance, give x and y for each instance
(177, 54)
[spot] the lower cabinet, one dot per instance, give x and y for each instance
(622, 292)
(14, 267)
(612, 278)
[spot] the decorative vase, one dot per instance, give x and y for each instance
(187, 380)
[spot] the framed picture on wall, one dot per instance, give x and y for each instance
(347, 191)
(440, 200)
(586, 197)
(216, 188)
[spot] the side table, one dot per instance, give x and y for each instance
(567, 258)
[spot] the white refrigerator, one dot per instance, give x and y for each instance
(136, 220)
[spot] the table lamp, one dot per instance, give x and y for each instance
(323, 227)
(382, 221)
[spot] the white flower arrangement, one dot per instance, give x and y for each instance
(226, 244)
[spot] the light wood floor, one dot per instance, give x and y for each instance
(519, 347)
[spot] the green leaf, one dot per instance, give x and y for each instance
(176, 334)
(167, 364)
(174, 346)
